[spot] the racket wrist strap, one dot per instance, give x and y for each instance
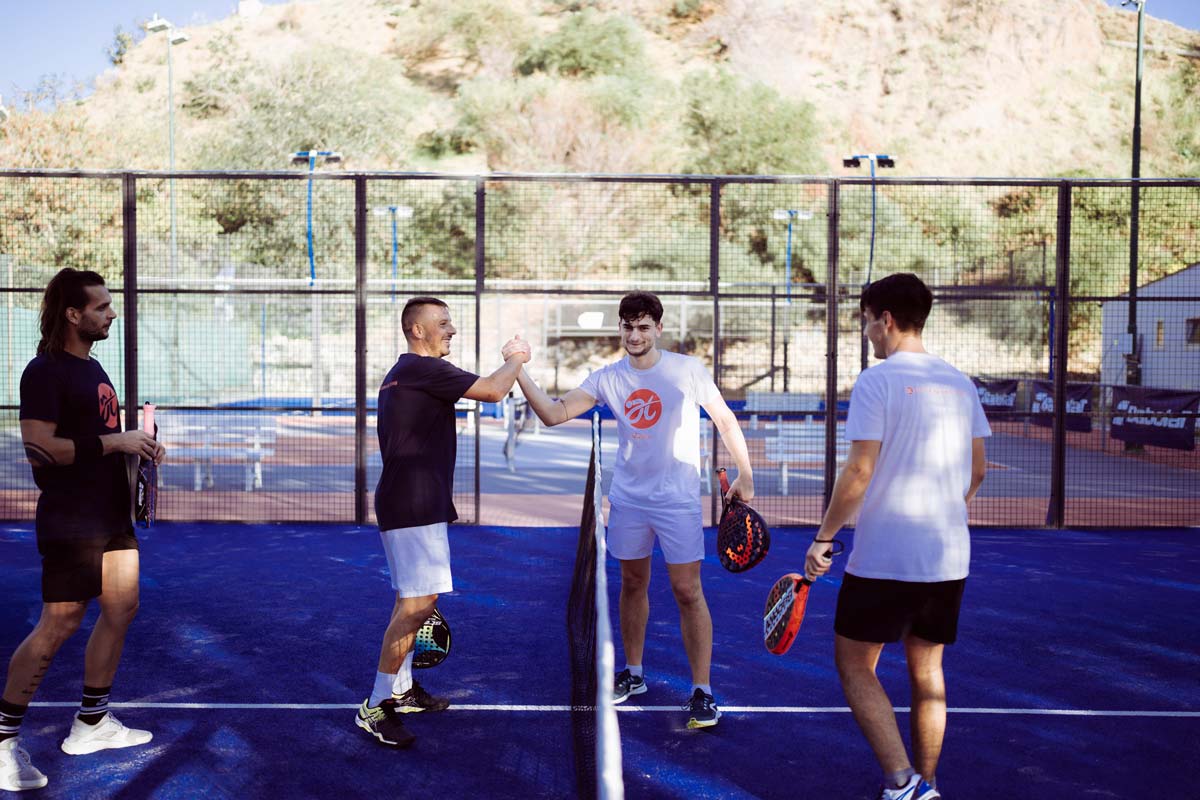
(88, 449)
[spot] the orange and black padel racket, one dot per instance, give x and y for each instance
(785, 608)
(742, 536)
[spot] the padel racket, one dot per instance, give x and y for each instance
(146, 500)
(742, 536)
(785, 607)
(433, 642)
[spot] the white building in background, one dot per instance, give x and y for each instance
(1169, 331)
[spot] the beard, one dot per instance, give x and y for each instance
(94, 335)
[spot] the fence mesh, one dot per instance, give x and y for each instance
(258, 301)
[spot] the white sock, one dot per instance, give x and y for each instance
(404, 679)
(383, 688)
(704, 687)
(635, 670)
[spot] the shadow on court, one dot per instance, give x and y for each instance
(1077, 673)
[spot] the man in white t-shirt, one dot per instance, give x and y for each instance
(916, 459)
(655, 396)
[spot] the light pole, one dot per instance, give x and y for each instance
(791, 215)
(310, 157)
(1133, 367)
(158, 25)
(884, 162)
(396, 213)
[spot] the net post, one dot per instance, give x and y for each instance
(1056, 513)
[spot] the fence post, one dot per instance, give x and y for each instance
(129, 231)
(480, 231)
(1056, 513)
(831, 341)
(360, 350)
(714, 288)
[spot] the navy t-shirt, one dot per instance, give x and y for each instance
(77, 500)
(417, 441)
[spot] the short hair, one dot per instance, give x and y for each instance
(635, 305)
(412, 310)
(903, 295)
(67, 289)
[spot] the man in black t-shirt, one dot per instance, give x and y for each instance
(414, 499)
(70, 424)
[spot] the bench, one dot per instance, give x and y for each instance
(205, 438)
(798, 442)
(779, 403)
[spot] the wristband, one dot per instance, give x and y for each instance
(88, 449)
(822, 541)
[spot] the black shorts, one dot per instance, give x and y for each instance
(73, 569)
(874, 610)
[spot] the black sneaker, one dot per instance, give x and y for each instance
(702, 710)
(381, 722)
(627, 684)
(417, 699)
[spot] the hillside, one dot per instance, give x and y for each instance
(948, 87)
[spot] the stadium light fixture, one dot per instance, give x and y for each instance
(156, 24)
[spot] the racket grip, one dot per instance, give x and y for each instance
(724, 481)
(148, 418)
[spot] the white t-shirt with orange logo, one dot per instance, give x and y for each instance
(658, 428)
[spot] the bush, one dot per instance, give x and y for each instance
(738, 128)
(587, 44)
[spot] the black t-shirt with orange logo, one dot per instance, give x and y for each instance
(418, 441)
(78, 500)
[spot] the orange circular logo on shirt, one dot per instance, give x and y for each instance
(109, 410)
(643, 408)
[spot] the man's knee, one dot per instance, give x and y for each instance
(634, 580)
(688, 592)
(58, 623)
(120, 613)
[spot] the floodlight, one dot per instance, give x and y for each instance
(178, 37)
(332, 158)
(300, 158)
(885, 161)
(781, 213)
(404, 212)
(851, 162)
(156, 24)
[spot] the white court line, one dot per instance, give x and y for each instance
(1047, 712)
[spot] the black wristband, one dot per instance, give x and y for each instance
(88, 449)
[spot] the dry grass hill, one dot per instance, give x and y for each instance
(949, 87)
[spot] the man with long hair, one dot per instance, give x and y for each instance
(70, 424)
(656, 397)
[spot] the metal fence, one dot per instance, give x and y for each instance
(260, 312)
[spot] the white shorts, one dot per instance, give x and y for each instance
(418, 559)
(631, 533)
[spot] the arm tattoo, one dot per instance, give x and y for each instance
(38, 457)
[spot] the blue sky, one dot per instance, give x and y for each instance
(67, 38)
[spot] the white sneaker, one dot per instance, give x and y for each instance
(16, 771)
(917, 788)
(107, 734)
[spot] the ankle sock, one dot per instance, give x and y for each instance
(94, 705)
(11, 716)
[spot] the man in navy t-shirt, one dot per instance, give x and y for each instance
(70, 424)
(414, 499)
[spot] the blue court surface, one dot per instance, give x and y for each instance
(1076, 674)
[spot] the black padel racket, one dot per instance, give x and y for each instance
(433, 642)
(785, 607)
(146, 502)
(742, 536)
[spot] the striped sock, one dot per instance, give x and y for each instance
(94, 705)
(11, 716)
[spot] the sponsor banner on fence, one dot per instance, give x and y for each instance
(1146, 416)
(997, 397)
(1079, 406)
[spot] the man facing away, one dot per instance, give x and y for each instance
(655, 396)
(414, 499)
(916, 459)
(70, 425)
